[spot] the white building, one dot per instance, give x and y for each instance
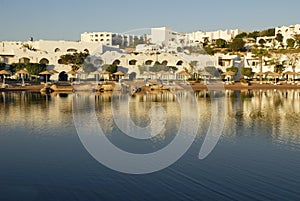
(287, 32)
(108, 38)
(201, 36)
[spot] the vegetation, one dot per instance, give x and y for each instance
(279, 68)
(112, 68)
(255, 34)
(221, 43)
(290, 42)
(233, 69)
(247, 72)
(32, 68)
(260, 53)
(75, 60)
(2, 66)
(155, 68)
(238, 44)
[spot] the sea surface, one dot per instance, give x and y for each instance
(257, 157)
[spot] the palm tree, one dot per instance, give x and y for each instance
(293, 59)
(260, 53)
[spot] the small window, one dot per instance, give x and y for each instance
(96, 35)
(96, 40)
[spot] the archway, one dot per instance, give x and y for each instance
(63, 76)
(24, 60)
(44, 61)
(148, 62)
(71, 50)
(132, 62)
(57, 50)
(116, 62)
(165, 63)
(179, 63)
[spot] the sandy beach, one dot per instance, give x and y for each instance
(195, 87)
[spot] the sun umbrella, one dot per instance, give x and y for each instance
(229, 73)
(53, 71)
(96, 73)
(22, 73)
(4, 72)
(46, 73)
(71, 72)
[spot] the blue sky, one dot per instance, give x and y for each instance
(66, 19)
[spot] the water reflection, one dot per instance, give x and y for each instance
(273, 114)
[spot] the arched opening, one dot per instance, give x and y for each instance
(71, 50)
(44, 61)
(165, 63)
(86, 51)
(116, 62)
(57, 50)
(98, 62)
(24, 60)
(63, 76)
(148, 62)
(179, 63)
(132, 62)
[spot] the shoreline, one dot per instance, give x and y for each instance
(194, 86)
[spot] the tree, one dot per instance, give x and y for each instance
(297, 39)
(268, 32)
(221, 43)
(233, 69)
(279, 38)
(290, 42)
(2, 66)
(238, 44)
(112, 68)
(262, 42)
(75, 60)
(253, 34)
(279, 68)
(32, 68)
(241, 35)
(209, 50)
(247, 72)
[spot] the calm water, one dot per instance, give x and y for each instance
(257, 157)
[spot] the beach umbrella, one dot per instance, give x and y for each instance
(22, 73)
(105, 72)
(4, 72)
(229, 74)
(205, 74)
(184, 74)
(53, 71)
(71, 72)
(119, 74)
(96, 73)
(46, 73)
(291, 73)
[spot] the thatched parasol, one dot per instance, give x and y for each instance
(4, 72)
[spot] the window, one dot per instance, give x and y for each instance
(96, 40)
